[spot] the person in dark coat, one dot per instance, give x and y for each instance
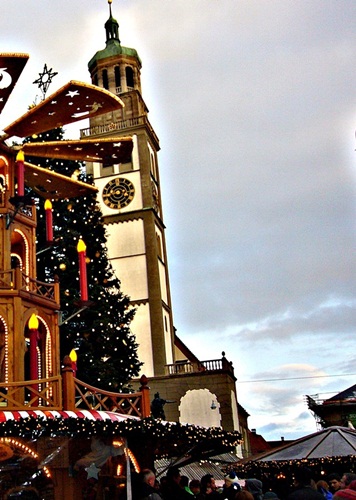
(172, 489)
(208, 487)
(231, 487)
(254, 486)
(303, 488)
(147, 490)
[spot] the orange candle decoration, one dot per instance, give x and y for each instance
(73, 357)
(20, 163)
(49, 221)
(81, 249)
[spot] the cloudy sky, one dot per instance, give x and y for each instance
(254, 103)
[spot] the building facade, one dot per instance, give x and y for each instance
(194, 391)
(129, 196)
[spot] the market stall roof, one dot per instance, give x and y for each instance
(212, 465)
(53, 414)
(329, 442)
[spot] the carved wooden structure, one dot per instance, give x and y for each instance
(25, 349)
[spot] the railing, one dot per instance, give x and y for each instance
(7, 279)
(92, 398)
(315, 400)
(119, 90)
(88, 397)
(15, 279)
(24, 210)
(27, 394)
(45, 290)
(212, 365)
(118, 125)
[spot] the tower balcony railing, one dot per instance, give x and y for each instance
(112, 127)
(119, 90)
(212, 365)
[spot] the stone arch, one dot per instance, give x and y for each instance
(197, 407)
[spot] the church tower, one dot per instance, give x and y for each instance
(129, 196)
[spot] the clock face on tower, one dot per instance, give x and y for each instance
(118, 193)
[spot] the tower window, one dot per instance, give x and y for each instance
(153, 165)
(159, 246)
(129, 77)
(95, 80)
(117, 79)
(105, 79)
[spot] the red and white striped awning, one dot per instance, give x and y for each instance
(52, 414)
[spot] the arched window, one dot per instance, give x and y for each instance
(117, 79)
(20, 251)
(129, 77)
(105, 79)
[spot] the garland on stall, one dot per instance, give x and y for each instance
(278, 475)
(167, 434)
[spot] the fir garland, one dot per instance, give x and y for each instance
(167, 436)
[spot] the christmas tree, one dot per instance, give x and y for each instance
(100, 334)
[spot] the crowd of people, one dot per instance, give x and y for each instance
(174, 486)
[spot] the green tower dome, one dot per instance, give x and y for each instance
(113, 45)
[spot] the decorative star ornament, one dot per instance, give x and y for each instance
(45, 80)
(92, 471)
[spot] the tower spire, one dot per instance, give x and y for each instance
(111, 27)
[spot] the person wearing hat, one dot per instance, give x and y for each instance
(254, 486)
(231, 486)
(270, 495)
(346, 494)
